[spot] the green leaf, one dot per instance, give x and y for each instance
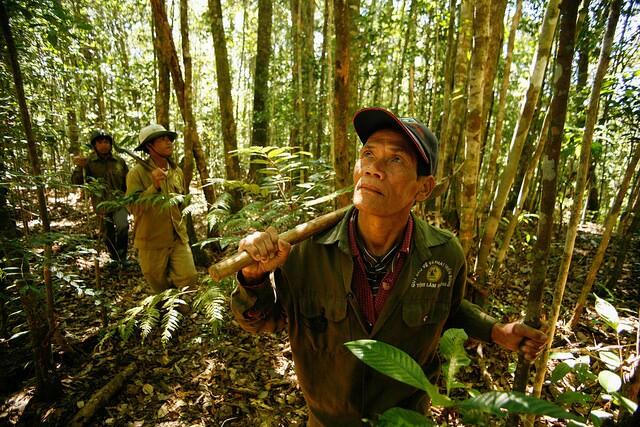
(584, 374)
(609, 381)
(573, 397)
(609, 358)
(629, 404)
(607, 312)
(395, 363)
(452, 349)
(560, 371)
(398, 417)
(500, 402)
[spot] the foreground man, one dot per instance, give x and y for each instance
(381, 273)
(160, 234)
(111, 173)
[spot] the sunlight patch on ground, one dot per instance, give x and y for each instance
(13, 406)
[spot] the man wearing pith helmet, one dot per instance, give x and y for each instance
(160, 234)
(109, 173)
(381, 273)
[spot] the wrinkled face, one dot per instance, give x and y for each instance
(163, 146)
(385, 176)
(102, 146)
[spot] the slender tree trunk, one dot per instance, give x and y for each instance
(323, 88)
(610, 222)
(524, 191)
(47, 385)
(495, 40)
(344, 96)
(489, 183)
(230, 141)
(629, 223)
(473, 130)
(447, 68)
(451, 135)
(190, 126)
(547, 30)
(591, 118)
(168, 50)
(550, 168)
(260, 132)
(407, 51)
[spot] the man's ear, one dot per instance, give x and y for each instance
(426, 186)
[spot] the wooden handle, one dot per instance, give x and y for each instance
(234, 263)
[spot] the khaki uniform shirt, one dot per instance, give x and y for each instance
(111, 170)
(314, 299)
(158, 223)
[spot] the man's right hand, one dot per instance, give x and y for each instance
(80, 161)
(267, 249)
(158, 176)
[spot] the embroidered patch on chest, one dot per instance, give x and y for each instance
(432, 274)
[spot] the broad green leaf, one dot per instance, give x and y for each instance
(607, 312)
(398, 417)
(452, 349)
(609, 358)
(500, 402)
(395, 363)
(584, 374)
(572, 397)
(560, 371)
(629, 404)
(609, 381)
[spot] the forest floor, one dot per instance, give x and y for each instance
(231, 378)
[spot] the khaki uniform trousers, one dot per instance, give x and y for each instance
(168, 267)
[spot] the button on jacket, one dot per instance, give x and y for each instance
(158, 224)
(314, 300)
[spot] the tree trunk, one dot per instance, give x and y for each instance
(558, 113)
(489, 183)
(323, 88)
(407, 52)
(547, 30)
(629, 223)
(456, 116)
(260, 122)
(447, 68)
(47, 385)
(610, 222)
(495, 39)
(190, 127)
(163, 86)
(592, 116)
(169, 52)
(230, 141)
(524, 192)
(344, 96)
(473, 128)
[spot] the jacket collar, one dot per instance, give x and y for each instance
(424, 235)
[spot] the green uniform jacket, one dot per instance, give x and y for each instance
(313, 297)
(157, 222)
(111, 170)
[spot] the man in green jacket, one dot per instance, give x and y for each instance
(381, 273)
(160, 234)
(108, 173)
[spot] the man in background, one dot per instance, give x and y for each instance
(160, 233)
(106, 173)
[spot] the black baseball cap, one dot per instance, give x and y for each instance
(100, 134)
(369, 120)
